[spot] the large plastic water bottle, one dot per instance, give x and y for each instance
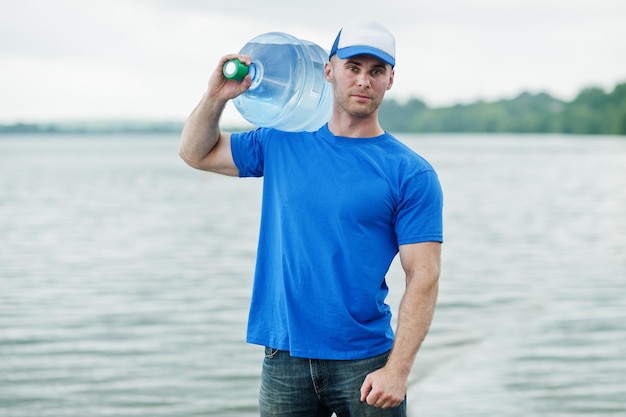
(288, 91)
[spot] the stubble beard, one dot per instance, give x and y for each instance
(359, 110)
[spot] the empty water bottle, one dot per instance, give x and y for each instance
(288, 91)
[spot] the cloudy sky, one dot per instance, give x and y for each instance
(66, 60)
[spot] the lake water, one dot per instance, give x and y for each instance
(125, 279)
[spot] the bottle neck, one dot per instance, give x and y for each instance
(236, 70)
(256, 73)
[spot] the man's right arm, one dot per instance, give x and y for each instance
(203, 145)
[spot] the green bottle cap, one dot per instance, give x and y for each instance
(235, 70)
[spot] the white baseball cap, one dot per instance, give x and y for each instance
(370, 38)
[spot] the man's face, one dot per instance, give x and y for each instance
(359, 83)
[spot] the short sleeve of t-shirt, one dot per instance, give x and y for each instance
(247, 151)
(418, 217)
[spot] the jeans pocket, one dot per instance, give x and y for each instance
(270, 352)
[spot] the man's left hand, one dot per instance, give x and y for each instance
(384, 388)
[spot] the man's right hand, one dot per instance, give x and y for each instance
(221, 88)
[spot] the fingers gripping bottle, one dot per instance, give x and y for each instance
(288, 91)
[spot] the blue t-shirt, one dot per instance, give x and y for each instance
(334, 211)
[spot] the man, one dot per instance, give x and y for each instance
(338, 205)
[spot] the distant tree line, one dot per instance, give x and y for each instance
(85, 128)
(593, 111)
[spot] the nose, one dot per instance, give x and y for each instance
(363, 80)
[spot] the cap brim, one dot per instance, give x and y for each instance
(351, 51)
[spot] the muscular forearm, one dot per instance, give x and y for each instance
(414, 317)
(387, 387)
(201, 131)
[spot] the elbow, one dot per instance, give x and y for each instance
(192, 162)
(428, 283)
(183, 156)
(425, 280)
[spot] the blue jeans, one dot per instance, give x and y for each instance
(298, 387)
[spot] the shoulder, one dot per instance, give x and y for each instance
(264, 134)
(407, 160)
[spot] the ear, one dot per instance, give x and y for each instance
(393, 73)
(328, 72)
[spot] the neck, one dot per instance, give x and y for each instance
(354, 127)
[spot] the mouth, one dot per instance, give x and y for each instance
(361, 97)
